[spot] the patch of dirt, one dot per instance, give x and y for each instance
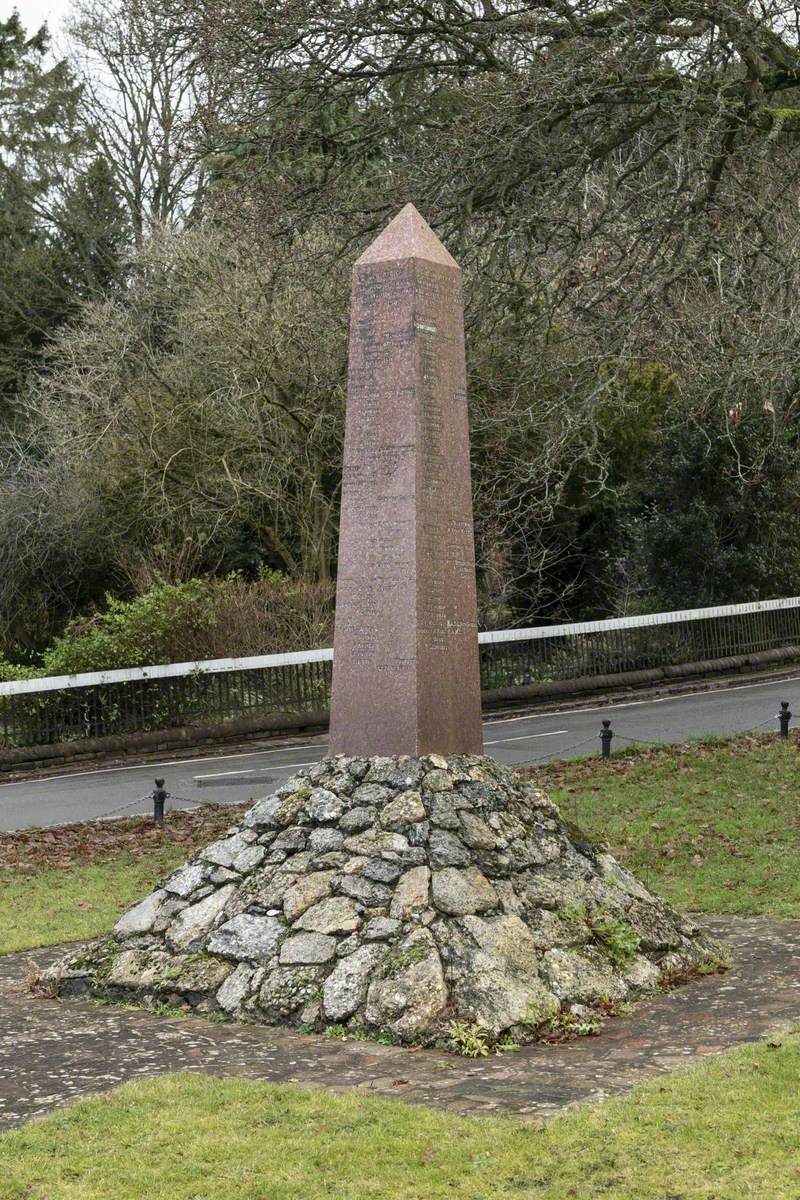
(88, 842)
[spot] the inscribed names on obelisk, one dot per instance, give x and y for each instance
(405, 674)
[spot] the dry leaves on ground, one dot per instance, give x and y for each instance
(95, 841)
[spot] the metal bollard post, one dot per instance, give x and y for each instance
(784, 716)
(159, 798)
(605, 739)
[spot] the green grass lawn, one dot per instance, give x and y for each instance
(713, 827)
(71, 882)
(727, 1129)
(76, 903)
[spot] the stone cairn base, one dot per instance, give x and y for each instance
(396, 896)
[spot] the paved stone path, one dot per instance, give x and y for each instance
(52, 1051)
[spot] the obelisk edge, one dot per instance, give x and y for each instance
(408, 236)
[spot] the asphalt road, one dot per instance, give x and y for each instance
(570, 732)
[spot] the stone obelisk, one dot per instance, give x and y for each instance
(405, 673)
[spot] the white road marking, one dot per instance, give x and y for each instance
(561, 712)
(224, 774)
(174, 762)
(249, 771)
(526, 737)
(567, 712)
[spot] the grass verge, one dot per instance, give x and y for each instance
(726, 1129)
(72, 882)
(712, 826)
(78, 903)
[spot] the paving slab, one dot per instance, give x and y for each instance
(54, 1051)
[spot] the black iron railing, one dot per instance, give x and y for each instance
(44, 712)
(637, 643)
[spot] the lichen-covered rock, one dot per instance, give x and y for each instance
(584, 976)
(286, 991)
(443, 811)
(460, 892)
(377, 841)
(411, 893)
(142, 917)
(225, 852)
(437, 780)
(363, 889)
(187, 879)
(307, 891)
(396, 895)
(412, 993)
(381, 871)
(406, 809)
(447, 850)
(372, 795)
(153, 972)
(236, 988)
(493, 974)
(247, 937)
(323, 805)
(641, 974)
(475, 833)
(497, 1000)
(381, 929)
(358, 819)
(339, 914)
(250, 858)
(325, 839)
(191, 926)
(304, 948)
(281, 809)
(345, 989)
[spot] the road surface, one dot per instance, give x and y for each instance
(80, 795)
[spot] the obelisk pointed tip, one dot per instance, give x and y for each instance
(408, 235)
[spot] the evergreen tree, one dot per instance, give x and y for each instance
(62, 227)
(94, 231)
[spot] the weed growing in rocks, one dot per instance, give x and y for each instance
(567, 1026)
(617, 940)
(335, 1033)
(394, 961)
(469, 1040)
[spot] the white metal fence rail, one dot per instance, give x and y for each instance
(96, 704)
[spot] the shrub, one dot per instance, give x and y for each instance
(615, 937)
(470, 1040)
(197, 619)
(10, 671)
(165, 624)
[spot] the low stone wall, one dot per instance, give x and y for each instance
(655, 675)
(212, 733)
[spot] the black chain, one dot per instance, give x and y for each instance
(122, 808)
(626, 738)
(650, 742)
(197, 800)
(768, 721)
(644, 741)
(562, 749)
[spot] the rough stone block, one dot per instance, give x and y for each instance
(303, 948)
(461, 892)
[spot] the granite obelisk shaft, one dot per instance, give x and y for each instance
(405, 674)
